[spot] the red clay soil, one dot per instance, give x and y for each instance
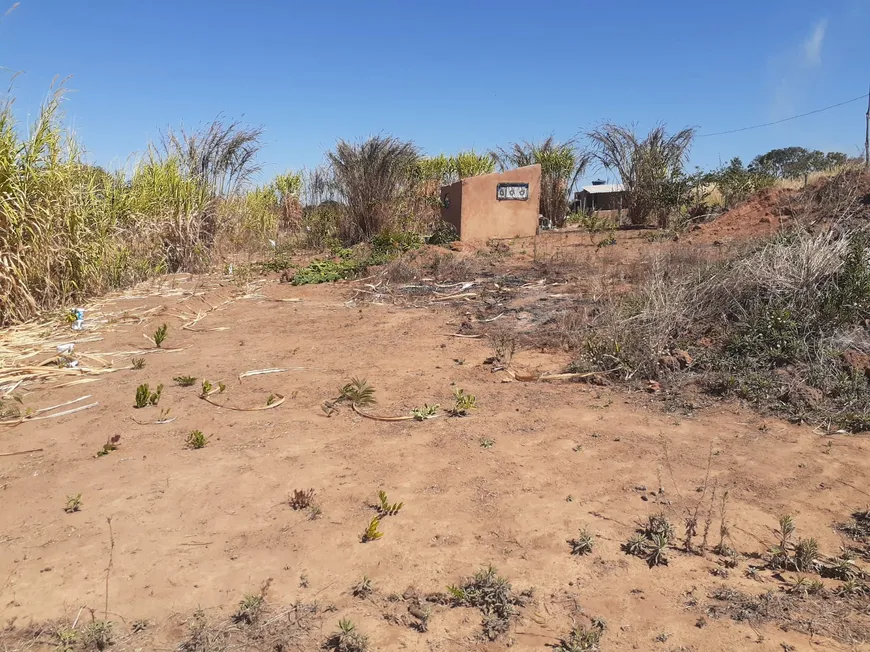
(506, 486)
(760, 216)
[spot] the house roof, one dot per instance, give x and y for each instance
(604, 188)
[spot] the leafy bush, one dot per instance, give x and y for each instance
(325, 271)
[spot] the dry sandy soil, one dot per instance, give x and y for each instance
(200, 529)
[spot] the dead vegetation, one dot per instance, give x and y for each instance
(495, 598)
(841, 617)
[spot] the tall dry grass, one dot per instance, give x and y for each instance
(69, 229)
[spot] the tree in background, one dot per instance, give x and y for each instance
(651, 169)
(374, 181)
(796, 162)
(736, 182)
(561, 165)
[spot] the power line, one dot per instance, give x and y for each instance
(776, 122)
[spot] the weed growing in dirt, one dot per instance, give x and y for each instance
(347, 638)
(111, 444)
(805, 586)
(357, 392)
(73, 504)
(160, 335)
(659, 524)
(583, 543)
(195, 439)
(138, 363)
(326, 271)
(425, 412)
(302, 499)
(98, 635)
(9, 410)
(145, 397)
(462, 403)
(805, 553)
(850, 587)
(779, 554)
(652, 540)
(581, 639)
(487, 442)
(364, 588)
(314, 512)
(841, 568)
(656, 548)
(207, 388)
(372, 533)
(250, 608)
(66, 639)
(636, 545)
(185, 381)
(503, 343)
(493, 595)
(385, 508)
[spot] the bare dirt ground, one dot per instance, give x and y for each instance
(507, 486)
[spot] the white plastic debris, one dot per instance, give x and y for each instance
(65, 348)
(79, 322)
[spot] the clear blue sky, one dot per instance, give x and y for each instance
(449, 75)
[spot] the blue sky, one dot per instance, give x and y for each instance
(449, 75)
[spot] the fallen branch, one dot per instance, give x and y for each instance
(576, 375)
(32, 450)
(376, 417)
(53, 407)
(260, 372)
(462, 295)
(15, 422)
(280, 400)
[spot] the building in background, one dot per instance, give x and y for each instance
(600, 196)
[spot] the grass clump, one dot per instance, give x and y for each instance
(347, 638)
(302, 499)
(145, 397)
(582, 639)
(138, 363)
(185, 381)
(651, 541)
(73, 504)
(783, 320)
(250, 609)
(364, 588)
(493, 595)
(196, 440)
(583, 543)
(98, 635)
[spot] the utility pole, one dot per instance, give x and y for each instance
(867, 136)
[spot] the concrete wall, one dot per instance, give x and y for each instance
(478, 215)
(451, 205)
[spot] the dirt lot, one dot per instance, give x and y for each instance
(508, 485)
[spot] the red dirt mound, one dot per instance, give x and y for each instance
(759, 216)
